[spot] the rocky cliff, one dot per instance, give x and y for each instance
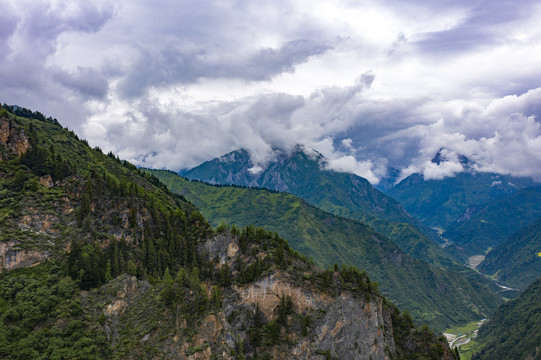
(252, 321)
(13, 137)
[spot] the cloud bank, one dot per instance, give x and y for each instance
(370, 85)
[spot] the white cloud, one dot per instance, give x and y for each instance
(351, 165)
(434, 171)
(175, 84)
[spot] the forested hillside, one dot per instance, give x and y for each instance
(125, 269)
(494, 223)
(516, 262)
(432, 295)
(514, 332)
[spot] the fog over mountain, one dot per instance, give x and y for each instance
(372, 85)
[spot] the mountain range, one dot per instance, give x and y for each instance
(101, 261)
(429, 293)
(302, 173)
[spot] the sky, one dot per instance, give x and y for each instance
(371, 84)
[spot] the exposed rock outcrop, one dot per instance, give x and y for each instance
(320, 324)
(13, 137)
(12, 257)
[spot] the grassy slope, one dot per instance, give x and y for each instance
(439, 203)
(406, 236)
(494, 223)
(516, 262)
(342, 194)
(430, 294)
(338, 194)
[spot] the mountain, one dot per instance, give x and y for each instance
(389, 181)
(494, 223)
(514, 332)
(101, 261)
(432, 295)
(302, 174)
(516, 262)
(445, 203)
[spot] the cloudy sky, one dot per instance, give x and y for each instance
(371, 84)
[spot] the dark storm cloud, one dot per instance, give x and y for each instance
(7, 27)
(40, 25)
(88, 82)
(174, 83)
(26, 78)
(174, 65)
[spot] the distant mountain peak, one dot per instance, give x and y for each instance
(444, 155)
(301, 152)
(235, 155)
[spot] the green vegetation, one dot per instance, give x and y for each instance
(494, 223)
(122, 271)
(443, 203)
(430, 294)
(516, 262)
(408, 237)
(301, 175)
(342, 194)
(514, 332)
(466, 351)
(463, 329)
(41, 317)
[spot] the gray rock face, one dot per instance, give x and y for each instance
(354, 332)
(344, 326)
(11, 257)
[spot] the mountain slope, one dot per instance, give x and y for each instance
(516, 262)
(342, 194)
(124, 269)
(444, 203)
(494, 223)
(514, 332)
(301, 174)
(432, 295)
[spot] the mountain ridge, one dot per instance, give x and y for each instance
(329, 239)
(342, 194)
(514, 330)
(516, 262)
(133, 270)
(233, 168)
(444, 203)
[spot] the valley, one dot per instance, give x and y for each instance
(308, 229)
(475, 260)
